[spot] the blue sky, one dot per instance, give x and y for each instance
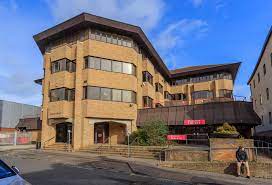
(184, 32)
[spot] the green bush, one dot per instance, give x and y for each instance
(226, 129)
(153, 133)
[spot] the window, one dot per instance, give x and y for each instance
(5, 172)
(105, 65)
(179, 96)
(109, 65)
(224, 93)
(116, 95)
(63, 65)
(167, 95)
(105, 94)
(93, 93)
(147, 77)
(147, 102)
(261, 99)
(114, 39)
(202, 95)
(270, 118)
(264, 69)
(259, 78)
(108, 94)
(267, 93)
(62, 94)
(158, 105)
(92, 62)
(116, 66)
(103, 37)
(159, 88)
(254, 84)
(109, 39)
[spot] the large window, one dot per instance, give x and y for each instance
(167, 95)
(110, 65)
(202, 78)
(147, 77)
(202, 95)
(63, 65)
(147, 102)
(159, 87)
(62, 94)
(224, 93)
(108, 94)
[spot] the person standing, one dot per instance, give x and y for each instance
(242, 158)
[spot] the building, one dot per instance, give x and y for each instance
(12, 112)
(261, 87)
(98, 74)
(31, 126)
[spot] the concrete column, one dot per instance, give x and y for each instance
(78, 119)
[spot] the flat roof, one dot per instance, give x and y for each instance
(85, 20)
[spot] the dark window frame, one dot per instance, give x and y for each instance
(147, 77)
(147, 102)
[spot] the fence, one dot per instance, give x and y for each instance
(15, 138)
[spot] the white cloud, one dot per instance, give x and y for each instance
(241, 90)
(177, 33)
(139, 12)
(197, 3)
(219, 5)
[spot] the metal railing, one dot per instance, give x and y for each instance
(44, 143)
(264, 148)
(101, 145)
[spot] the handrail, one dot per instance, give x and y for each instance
(48, 140)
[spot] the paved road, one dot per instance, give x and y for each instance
(44, 168)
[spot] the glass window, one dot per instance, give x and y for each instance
(254, 84)
(116, 66)
(259, 78)
(147, 102)
(97, 35)
(103, 37)
(114, 39)
(105, 94)
(126, 96)
(223, 93)
(127, 68)
(264, 69)
(109, 40)
(202, 95)
(116, 95)
(267, 93)
(92, 35)
(129, 43)
(147, 77)
(159, 88)
(93, 93)
(57, 94)
(105, 65)
(134, 70)
(119, 39)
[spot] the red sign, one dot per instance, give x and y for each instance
(194, 122)
(176, 137)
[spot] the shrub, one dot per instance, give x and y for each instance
(153, 133)
(226, 129)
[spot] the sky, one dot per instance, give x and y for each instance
(184, 33)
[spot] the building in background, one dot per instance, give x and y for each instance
(261, 87)
(99, 74)
(12, 112)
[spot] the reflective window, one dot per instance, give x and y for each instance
(202, 95)
(105, 94)
(116, 95)
(62, 94)
(116, 66)
(147, 77)
(63, 65)
(147, 102)
(93, 93)
(224, 93)
(105, 65)
(127, 68)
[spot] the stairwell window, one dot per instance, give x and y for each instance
(62, 94)
(147, 102)
(159, 88)
(147, 77)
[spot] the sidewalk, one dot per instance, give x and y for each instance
(16, 147)
(149, 167)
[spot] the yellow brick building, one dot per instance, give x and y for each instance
(98, 72)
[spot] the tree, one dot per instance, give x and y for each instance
(153, 133)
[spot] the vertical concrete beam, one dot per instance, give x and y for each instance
(78, 119)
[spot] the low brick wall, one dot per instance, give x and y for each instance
(224, 149)
(263, 170)
(183, 155)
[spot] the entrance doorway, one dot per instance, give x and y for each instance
(101, 133)
(62, 132)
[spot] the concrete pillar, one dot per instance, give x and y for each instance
(78, 119)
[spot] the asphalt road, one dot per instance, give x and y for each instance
(43, 168)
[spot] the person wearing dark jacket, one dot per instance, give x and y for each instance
(242, 158)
